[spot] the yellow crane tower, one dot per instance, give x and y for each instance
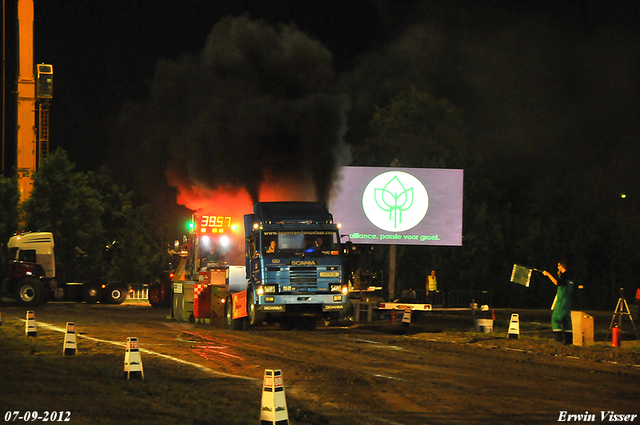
(32, 99)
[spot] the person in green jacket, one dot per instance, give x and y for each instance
(561, 316)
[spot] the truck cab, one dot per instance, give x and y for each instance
(31, 275)
(294, 264)
(31, 268)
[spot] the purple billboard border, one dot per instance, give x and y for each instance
(441, 226)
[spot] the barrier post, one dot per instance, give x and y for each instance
(69, 348)
(132, 360)
(274, 404)
(406, 317)
(514, 326)
(30, 328)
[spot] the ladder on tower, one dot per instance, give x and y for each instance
(43, 132)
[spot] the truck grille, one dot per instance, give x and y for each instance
(304, 276)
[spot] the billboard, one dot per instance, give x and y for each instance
(400, 206)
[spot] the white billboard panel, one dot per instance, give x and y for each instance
(400, 206)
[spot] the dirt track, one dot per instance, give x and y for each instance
(427, 374)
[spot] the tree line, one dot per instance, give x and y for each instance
(557, 214)
(100, 232)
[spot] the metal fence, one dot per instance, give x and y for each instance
(451, 299)
(461, 298)
(138, 291)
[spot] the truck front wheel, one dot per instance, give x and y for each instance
(233, 324)
(30, 292)
(256, 317)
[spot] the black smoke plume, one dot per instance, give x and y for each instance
(257, 100)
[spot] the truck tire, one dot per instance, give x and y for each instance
(309, 323)
(288, 323)
(176, 309)
(29, 292)
(332, 318)
(91, 292)
(255, 317)
(233, 324)
(116, 293)
(155, 296)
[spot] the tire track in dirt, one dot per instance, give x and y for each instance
(359, 376)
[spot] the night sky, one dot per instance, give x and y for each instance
(546, 87)
(105, 53)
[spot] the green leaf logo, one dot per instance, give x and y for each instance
(395, 201)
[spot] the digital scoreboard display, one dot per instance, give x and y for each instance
(215, 224)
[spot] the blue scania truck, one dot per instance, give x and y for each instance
(293, 271)
(294, 268)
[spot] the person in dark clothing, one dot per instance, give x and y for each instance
(561, 316)
(213, 255)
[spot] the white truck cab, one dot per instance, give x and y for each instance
(34, 248)
(31, 275)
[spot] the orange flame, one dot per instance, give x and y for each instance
(236, 202)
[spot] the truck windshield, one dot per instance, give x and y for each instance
(307, 243)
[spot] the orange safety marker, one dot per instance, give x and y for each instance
(132, 360)
(274, 404)
(30, 328)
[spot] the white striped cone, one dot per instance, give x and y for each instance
(69, 347)
(274, 404)
(132, 360)
(514, 326)
(30, 328)
(406, 317)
